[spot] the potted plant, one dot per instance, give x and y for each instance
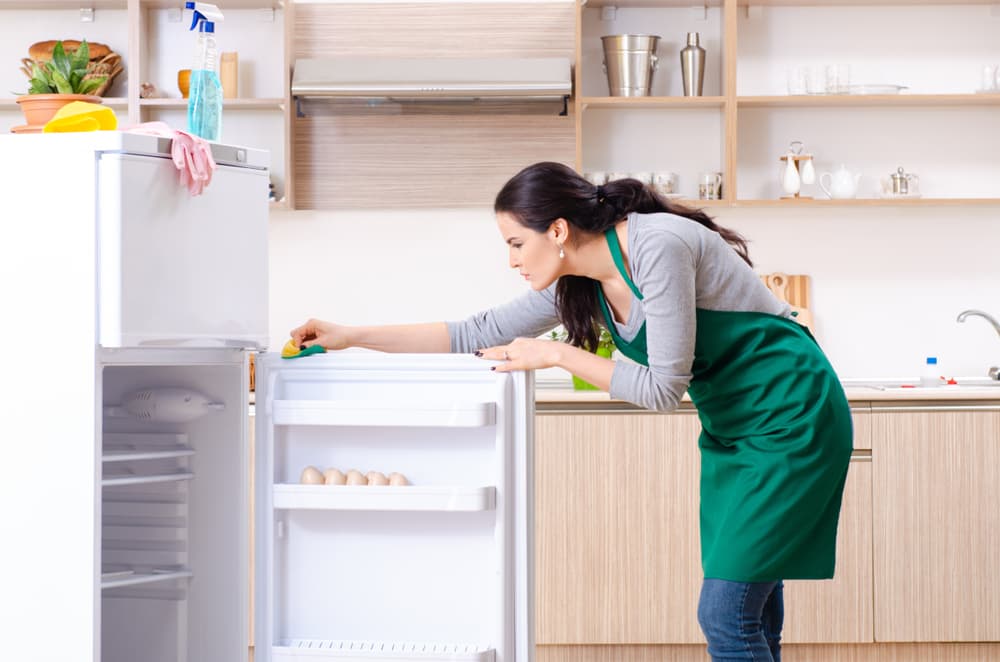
(605, 348)
(58, 82)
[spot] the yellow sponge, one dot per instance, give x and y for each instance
(82, 116)
(292, 351)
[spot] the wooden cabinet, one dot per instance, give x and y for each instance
(937, 524)
(618, 554)
(618, 558)
(839, 610)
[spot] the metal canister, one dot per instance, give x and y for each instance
(900, 182)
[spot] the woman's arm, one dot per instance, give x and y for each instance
(398, 338)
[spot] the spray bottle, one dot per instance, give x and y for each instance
(205, 95)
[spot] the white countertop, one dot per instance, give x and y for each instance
(973, 389)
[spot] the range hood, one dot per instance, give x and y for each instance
(433, 78)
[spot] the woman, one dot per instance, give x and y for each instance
(679, 297)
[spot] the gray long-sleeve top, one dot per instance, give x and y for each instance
(678, 265)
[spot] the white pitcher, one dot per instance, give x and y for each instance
(843, 183)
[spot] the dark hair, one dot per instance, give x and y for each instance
(544, 192)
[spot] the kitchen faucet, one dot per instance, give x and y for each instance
(994, 372)
(978, 313)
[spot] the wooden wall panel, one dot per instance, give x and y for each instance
(419, 156)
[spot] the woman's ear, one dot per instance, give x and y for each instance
(559, 231)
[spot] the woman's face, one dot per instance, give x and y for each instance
(534, 254)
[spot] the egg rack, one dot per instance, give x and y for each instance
(317, 650)
(144, 533)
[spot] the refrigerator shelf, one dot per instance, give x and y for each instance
(384, 497)
(129, 454)
(317, 650)
(417, 413)
(138, 479)
(139, 578)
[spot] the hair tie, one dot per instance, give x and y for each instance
(600, 193)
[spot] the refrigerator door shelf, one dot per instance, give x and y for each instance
(313, 650)
(378, 497)
(419, 413)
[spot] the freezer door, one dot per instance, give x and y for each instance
(176, 269)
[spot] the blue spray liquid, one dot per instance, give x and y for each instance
(205, 105)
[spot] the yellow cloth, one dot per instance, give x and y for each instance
(82, 116)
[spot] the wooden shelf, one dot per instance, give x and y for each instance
(63, 4)
(854, 3)
(229, 4)
(867, 100)
(647, 4)
(7, 103)
(870, 202)
(234, 104)
(652, 102)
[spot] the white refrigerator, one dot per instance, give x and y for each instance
(129, 308)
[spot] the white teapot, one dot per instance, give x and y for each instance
(843, 183)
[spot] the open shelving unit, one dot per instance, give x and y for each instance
(744, 117)
(146, 33)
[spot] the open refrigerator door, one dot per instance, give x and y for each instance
(435, 567)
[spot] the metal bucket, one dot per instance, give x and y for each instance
(629, 62)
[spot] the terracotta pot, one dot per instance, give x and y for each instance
(38, 109)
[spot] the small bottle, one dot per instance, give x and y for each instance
(931, 375)
(205, 94)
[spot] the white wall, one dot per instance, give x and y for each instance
(887, 282)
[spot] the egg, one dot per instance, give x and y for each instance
(396, 478)
(311, 476)
(355, 477)
(376, 478)
(333, 476)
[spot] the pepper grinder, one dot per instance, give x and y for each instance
(692, 66)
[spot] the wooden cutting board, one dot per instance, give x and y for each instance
(793, 289)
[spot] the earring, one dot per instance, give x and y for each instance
(562, 253)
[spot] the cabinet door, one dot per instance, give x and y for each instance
(839, 610)
(937, 525)
(618, 556)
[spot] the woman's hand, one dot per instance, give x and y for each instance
(318, 332)
(525, 354)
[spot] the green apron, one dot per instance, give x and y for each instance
(775, 444)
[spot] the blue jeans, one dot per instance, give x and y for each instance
(742, 621)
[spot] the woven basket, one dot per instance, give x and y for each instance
(110, 65)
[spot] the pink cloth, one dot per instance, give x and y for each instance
(191, 155)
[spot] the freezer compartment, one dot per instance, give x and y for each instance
(173, 511)
(176, 269)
